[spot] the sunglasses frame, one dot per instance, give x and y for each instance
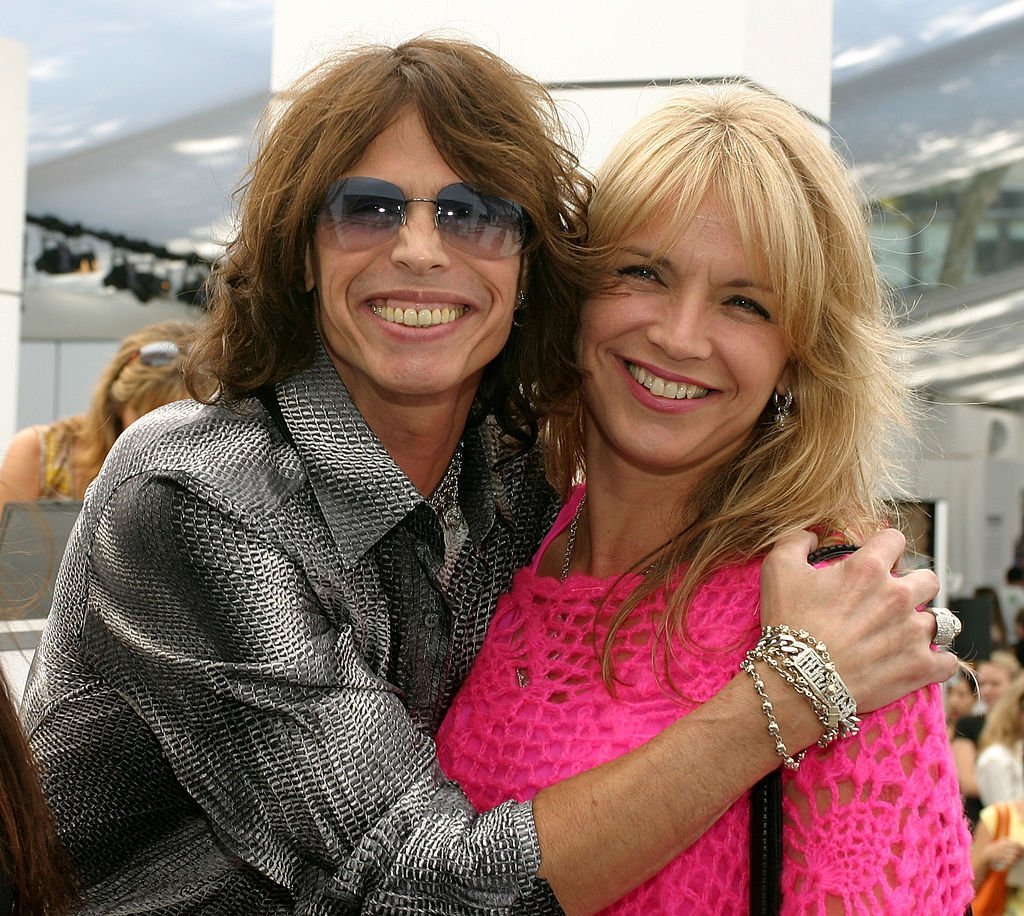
(393, 198)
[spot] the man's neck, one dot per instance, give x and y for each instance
(421, 440)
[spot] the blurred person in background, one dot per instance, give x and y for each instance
(36, 875)
(1011, 597)
(1000, 776)
(960, 697)
(999, 624)
(999, 768)
(1018, 631)
(1005, 853)
(59, 460)
(36, 878)
(995, 675)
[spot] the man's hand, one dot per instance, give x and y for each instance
(865, 615)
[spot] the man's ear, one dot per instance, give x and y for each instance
(310, 276)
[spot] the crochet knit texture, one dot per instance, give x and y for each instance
(873, 820)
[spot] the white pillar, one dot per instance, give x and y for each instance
(618, 64)
(13, 164)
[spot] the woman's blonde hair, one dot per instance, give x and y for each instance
(801, 221)
(126, 382)
(1003, 720)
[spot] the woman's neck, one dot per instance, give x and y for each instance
(629, 516)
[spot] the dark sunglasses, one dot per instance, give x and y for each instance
(361, 213)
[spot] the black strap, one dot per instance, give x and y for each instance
(766, 810)
(766, 846)
(267, 396)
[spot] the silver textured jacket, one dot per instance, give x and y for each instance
(250, 650)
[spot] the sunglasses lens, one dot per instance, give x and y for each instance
(478, 224)
(359, 213)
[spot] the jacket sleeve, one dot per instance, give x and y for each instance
(302, 758)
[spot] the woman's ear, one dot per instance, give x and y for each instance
(785, 384)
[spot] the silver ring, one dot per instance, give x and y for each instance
(947, 626)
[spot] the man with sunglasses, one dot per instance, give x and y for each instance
(272, 598)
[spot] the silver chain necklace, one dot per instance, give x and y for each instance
(571, 543)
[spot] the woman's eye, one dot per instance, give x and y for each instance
(750, 305)
(639, 272)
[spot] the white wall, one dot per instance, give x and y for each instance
(611, 51)
(13, 159)
(56, 377)
(973, 457)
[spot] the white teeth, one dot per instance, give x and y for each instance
(419, 318)
(677, 391)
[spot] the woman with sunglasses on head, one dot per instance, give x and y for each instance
(272, 597)
(737, 384)
(59, 460)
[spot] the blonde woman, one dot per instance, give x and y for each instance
(995, 675)
(59, 460)
(1001, 783)
(737, 385)
(1000, 766)
(960, 697)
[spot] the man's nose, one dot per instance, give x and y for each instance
(418, 244)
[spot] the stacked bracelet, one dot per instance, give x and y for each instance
(804, 663)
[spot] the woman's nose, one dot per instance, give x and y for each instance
(681, 328)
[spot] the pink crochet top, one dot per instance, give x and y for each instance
(874, 820)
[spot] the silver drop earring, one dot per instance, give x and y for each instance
(783, 404)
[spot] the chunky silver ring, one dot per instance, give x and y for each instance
(947, 626)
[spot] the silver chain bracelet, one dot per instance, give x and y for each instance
(806, 660)
(804, 663)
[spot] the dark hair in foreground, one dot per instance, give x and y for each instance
(32, 861)
(497, 128)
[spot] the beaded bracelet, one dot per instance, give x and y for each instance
(831, 731)
(790, 762)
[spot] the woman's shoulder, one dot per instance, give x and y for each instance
(999, 753)
(21, 474)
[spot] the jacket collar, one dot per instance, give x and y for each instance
(361, 491)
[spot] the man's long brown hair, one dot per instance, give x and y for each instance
(497, 128)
